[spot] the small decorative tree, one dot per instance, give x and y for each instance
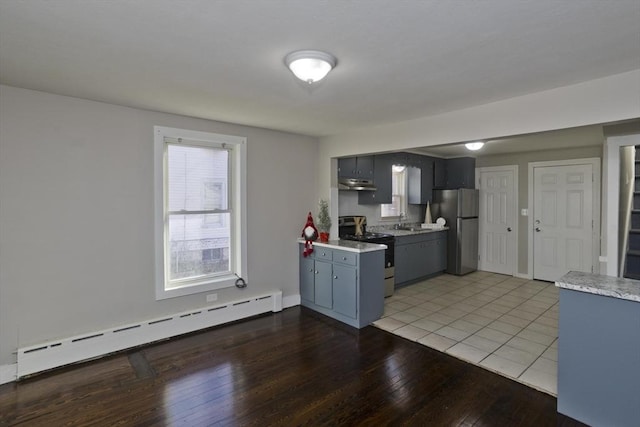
(324, 220)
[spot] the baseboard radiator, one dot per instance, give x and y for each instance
(53, 354)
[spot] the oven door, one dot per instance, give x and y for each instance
(389, 269)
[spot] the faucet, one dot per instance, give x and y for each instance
(399, 224)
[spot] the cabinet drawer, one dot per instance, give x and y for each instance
(348, 258)
(322, 253)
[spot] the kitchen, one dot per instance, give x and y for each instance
(417, 246)
(564, 150)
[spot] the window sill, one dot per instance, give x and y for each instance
(210, 284)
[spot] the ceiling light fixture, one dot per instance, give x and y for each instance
(474, 146)
(310, 66)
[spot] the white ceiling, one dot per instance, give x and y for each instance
(581, 137)
(397, 60)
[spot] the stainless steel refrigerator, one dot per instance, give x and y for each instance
(460, 209)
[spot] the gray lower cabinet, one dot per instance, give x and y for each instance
(420, 255)
(347, 286)
(599, 359)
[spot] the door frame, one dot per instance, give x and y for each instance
(595, 234)
(516, 226)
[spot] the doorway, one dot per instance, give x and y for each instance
(498, 219)
(564, 223)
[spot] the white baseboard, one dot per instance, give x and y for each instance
(53, 354)
(8, 373)
(523, 276)
(290, 301)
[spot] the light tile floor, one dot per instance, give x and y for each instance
(502, 323)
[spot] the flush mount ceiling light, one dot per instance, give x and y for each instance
(474, 146)
(310, 65)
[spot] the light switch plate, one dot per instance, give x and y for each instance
(524, 212)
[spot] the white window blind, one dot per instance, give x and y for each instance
(200, 223)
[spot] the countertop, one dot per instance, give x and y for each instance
(614, 287)
(399, 233)
(349, 245)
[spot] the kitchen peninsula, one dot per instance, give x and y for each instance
(599, 349)
(344, 279)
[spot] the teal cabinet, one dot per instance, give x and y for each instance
(420, 256)
(345, 285)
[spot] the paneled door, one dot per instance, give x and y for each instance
(562, 220)
(498, 219)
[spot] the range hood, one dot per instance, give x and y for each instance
(356, 184)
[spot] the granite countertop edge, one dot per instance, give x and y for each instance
(402, 233)
(348, 245)
(615, 287)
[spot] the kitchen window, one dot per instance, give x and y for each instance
(398, 205)
(200, 193)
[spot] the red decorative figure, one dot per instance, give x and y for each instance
(309, 234)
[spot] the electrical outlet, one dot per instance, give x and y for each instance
(212, 297)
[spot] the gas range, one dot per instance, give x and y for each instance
(354, 227)
(367, 237)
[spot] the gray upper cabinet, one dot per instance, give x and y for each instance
(356, 167)
(461, 173)
(439, 173)
(420, 179)
(381, 179)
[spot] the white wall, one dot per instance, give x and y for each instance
(76, 214)
(598, 101)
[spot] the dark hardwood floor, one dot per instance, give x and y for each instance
(291, 368)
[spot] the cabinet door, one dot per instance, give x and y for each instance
(426, 192)
(382, 180)
(307, 277)
(441, 252)
(323, 291)
(345, 290)
(364, 167)
(347, 167)
(431, 260)
(461, 173)
(414, 185)
(439, 173)
(401, 263)
(409, 262)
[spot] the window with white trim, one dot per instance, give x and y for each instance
(200, 222)
(398, 205)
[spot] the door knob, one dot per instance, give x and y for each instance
(509, 229)
(538, 229)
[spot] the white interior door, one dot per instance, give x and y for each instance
(498, 220)
(562, 220)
